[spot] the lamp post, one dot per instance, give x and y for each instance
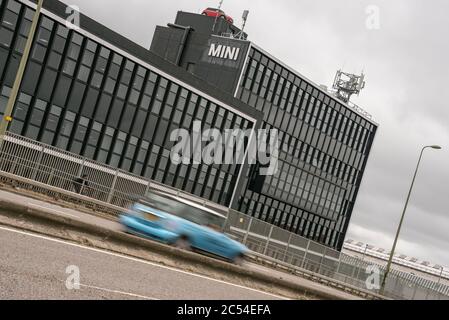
(387, 270)
(7, 118)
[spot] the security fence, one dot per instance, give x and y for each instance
(292, 249)
(48, 166)
(58, 168)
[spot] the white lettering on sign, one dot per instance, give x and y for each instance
(224, 52)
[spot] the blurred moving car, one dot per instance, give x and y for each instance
(182, 223)
(213, 12)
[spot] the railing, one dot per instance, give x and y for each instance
(58, 168)
(269, 240)
(46, 170)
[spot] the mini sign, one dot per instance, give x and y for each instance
(224, 52)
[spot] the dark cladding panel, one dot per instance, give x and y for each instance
(167, 43)
(207, 53)
(221, 62)
(115, 102)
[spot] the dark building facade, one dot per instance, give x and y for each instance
(324, 143)
(323, 155)
(93, 92)
(97, 94)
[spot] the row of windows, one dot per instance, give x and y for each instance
(293, 218)
(313, 147)
(319, 138)
(296, 97)
(305, 190)
(344, 165)
(84, 98)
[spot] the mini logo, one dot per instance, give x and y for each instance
(224, 52)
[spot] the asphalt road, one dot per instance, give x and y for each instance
(38, 267)
(34, 267)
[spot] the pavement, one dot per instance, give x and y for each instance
(33, 266)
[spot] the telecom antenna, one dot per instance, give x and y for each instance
(244, 18)
(347, 84)
(241, 34)
(216, 17)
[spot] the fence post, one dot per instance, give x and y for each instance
(288, 247)
(245, 238)
(38, 163)
(427, 294)
(414, 291)
(322, 259)
(148, 188)
(354, 268)
(268, 241)
(14, 165)
(339, 261)
(80, 170)
(305, 254)
(111, 192)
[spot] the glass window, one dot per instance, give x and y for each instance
(5, 37)
(74, 51)
(83, 73)
(88, 58)
(43, 36)
(69, 67)
(54, 60)
(76, 38)
(9, 19)
(59, 44)
(13, 6)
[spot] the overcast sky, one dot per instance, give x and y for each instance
(404, 55)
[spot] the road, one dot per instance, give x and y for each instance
(34, 267)
(38, 267)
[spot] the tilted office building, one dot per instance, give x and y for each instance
(324, 143)
(95, 93)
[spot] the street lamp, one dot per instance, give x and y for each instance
(7, 117)
(382, 287)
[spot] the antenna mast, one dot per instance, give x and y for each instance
(216, 17)
(347, 84)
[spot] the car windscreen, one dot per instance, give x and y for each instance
(185, 211)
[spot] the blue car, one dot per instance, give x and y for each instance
(185, 224)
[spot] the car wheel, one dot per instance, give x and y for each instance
(183, 243)
(239, 260)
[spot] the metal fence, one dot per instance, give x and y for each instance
(53, 167)
(287, 247)
(58, 168)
